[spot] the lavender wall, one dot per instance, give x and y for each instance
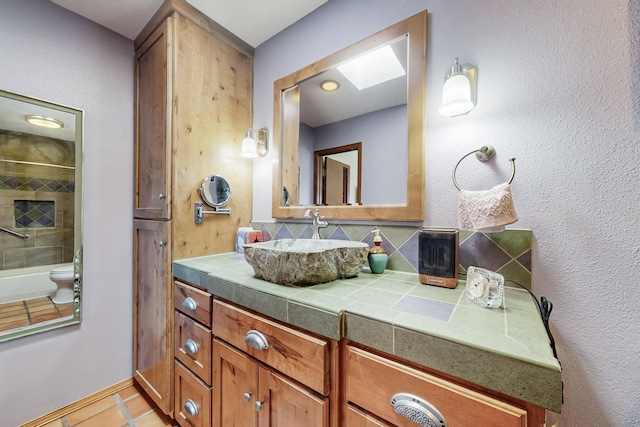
(383, 135)
(50, 53)
(559, 89)
(384, 152)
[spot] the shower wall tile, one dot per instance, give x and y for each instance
(31, 257)
(36, 184)
(34, 213)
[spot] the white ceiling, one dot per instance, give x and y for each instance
(254, 21)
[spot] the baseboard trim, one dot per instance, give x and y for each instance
(85, 401)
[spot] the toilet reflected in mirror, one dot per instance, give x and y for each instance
(63, 278)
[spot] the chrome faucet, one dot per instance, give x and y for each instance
(318, 222)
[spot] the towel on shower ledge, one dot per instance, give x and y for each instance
(487, 211)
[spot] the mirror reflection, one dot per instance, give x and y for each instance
(337, 175)
(40, 215)
(322, 107)
(375, 117)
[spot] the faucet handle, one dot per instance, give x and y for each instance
(311, 214)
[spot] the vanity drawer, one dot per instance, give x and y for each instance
(358, 418)
(193, 346)
(300, 356)
(193, 302)
(372, 381)
(192, 399)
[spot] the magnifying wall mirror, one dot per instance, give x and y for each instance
(40, 215)
(215, 191)
(386, 119)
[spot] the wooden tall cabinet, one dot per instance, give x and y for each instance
(193, 107)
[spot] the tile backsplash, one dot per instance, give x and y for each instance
(507, 252)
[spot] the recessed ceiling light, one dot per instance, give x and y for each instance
(373, 68)
(330, 85)
(45, 122)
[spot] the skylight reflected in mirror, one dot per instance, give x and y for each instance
(373, 68)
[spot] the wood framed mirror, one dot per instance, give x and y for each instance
(387, 119)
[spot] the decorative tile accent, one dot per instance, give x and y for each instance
(36, 184)
(507, 252)
(283, 233)
(338, 234)
(480, 251)
(34, 213)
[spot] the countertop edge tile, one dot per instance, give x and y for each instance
(370, 332)
(525, 381)
(314, 320)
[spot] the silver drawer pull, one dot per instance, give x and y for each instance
(191, 346)
(191, 407)
(247, 396)
(161, 244)
(161, 196)
(256, 339)
(259, 406)
(189, 304)
(417, 410)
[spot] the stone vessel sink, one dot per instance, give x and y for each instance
(304, 262)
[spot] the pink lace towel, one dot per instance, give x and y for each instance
(487, 211)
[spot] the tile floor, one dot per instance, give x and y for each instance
(129, 407)
(23, 313)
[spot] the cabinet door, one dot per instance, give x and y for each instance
(235, 388)
(283, 403)
(153, 306)
(153, 126)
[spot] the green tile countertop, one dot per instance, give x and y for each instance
(505, 349)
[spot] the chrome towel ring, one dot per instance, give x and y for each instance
(484, 153)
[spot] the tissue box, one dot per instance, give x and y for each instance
(246, 235)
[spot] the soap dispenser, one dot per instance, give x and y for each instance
(377, 255)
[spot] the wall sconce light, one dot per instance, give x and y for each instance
(460, 90)
(255, 143)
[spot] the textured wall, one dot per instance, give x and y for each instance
(50, 53)
(559, 89)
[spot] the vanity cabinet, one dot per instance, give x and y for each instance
(266, 373)
(193, 355)
(193, 94)
(383, 392)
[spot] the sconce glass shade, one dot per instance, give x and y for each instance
(248, 147)
(253, 147)
(459, 91)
